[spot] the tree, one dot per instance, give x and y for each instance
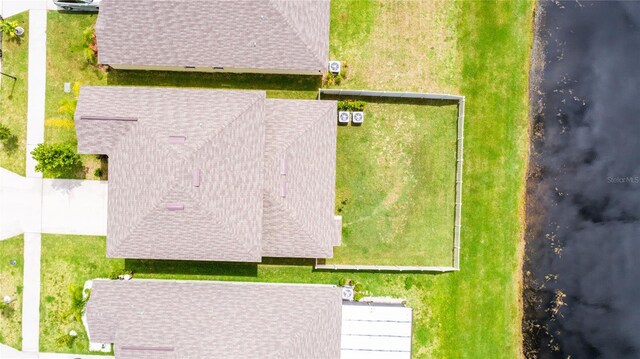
(55, 158)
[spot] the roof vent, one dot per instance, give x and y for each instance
(177, 140)
(335, 67)
(283, 187)
(110, 118)
(344, 117)
(357, 117)
(158, 349)
(175, 206)
(283, 166)
(196, 178)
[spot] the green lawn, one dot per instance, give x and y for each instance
(11, 285)
(13, 97)
(66, 63)
(480, 50)
(395, 185)
(67, 262)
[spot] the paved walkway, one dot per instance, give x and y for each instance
(31, 293)
(37, 77)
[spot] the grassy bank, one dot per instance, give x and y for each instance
(13, 96)
(11, 285)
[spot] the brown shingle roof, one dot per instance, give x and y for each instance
(192, 319)
(281, 35)
(197, 174)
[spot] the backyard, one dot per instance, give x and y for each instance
(473, 313)
(11, 249)
(395, 185)
(13, 97)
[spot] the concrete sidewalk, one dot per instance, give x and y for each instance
(31, 293)
(37, 79)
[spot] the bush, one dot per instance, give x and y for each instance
(7, 139)
(55, 158)
(90, 45)
(90, 56)
(343, 281)
(65, 340)
(349, 105)
(98, 172)
(358, 296)
(8, 28)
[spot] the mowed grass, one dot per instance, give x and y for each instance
(13, 96)
(396, 185)
(66, 63)
(11, 285)
(473, 313)
(67, 263)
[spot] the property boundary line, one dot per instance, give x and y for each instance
(458, 196)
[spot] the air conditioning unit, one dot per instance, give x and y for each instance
(347, 293)
(344, 117)
(357, 117)
(335, 67)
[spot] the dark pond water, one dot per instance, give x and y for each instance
(582, 268)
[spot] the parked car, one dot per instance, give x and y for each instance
(78, 5)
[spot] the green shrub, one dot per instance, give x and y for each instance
(8, 28)
(65, 340)
(90, 56)
(98, 172)
(349, 105)
(55, 158)
(358, 296)
(343, 281)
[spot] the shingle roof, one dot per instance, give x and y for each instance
(304, 146)
(284, 35)
(198, 174)
(204, 319)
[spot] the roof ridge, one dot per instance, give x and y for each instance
(288, 213)
(224, 127)
(297, 33)
(167, 185)
(300, 133)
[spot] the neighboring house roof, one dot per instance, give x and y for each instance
(204, 319)
(198, 174)
(280, 35)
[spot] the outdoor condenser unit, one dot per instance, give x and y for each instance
(357, 117)
(344, 117)
(335, 67)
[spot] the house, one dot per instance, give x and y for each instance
(213, 175)
(259, 36)
(204, 319)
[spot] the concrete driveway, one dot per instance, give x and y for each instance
(51, 206)
(74, 207)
